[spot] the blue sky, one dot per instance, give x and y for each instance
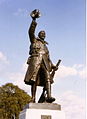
(64, 23)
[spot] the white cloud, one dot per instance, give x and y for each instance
(83, 73)
(78, 66)
(3, 64)
(22, 85)
(66, 71)
(21, 12)
(24, 67)
(76, 70)
(3, 58)
(73, 105)
(16, 78)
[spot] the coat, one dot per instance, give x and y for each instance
(39, 63)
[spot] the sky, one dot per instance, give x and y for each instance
(64, 24)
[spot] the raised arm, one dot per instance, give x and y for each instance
(34, 14)
(31, 31)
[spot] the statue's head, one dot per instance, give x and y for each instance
(42, 35)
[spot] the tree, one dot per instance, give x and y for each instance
(12, 101)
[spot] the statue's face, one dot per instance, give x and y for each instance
(42, 35)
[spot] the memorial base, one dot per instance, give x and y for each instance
(42, 111)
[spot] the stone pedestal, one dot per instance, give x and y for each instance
(42, 111)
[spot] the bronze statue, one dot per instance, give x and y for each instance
(40, 67)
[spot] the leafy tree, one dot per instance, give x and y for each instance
(12, 101)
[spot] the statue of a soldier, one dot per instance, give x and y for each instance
(39, 63)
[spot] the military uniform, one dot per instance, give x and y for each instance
(39, 63)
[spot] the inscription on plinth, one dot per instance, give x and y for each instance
(46, 117)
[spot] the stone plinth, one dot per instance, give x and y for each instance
(42, 111)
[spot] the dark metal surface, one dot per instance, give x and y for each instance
(40, 66)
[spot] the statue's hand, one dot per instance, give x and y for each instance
(55, 67)
(35, 14)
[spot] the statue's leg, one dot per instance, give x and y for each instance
(48, 89)
(49, 99)
(33, 88)
(33, 92)
(42, 97)
(34, 84)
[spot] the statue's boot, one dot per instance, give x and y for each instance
(32, 100)
(49, 99)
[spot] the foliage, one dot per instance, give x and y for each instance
(12, 101)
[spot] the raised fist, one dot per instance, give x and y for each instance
(35, 14)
